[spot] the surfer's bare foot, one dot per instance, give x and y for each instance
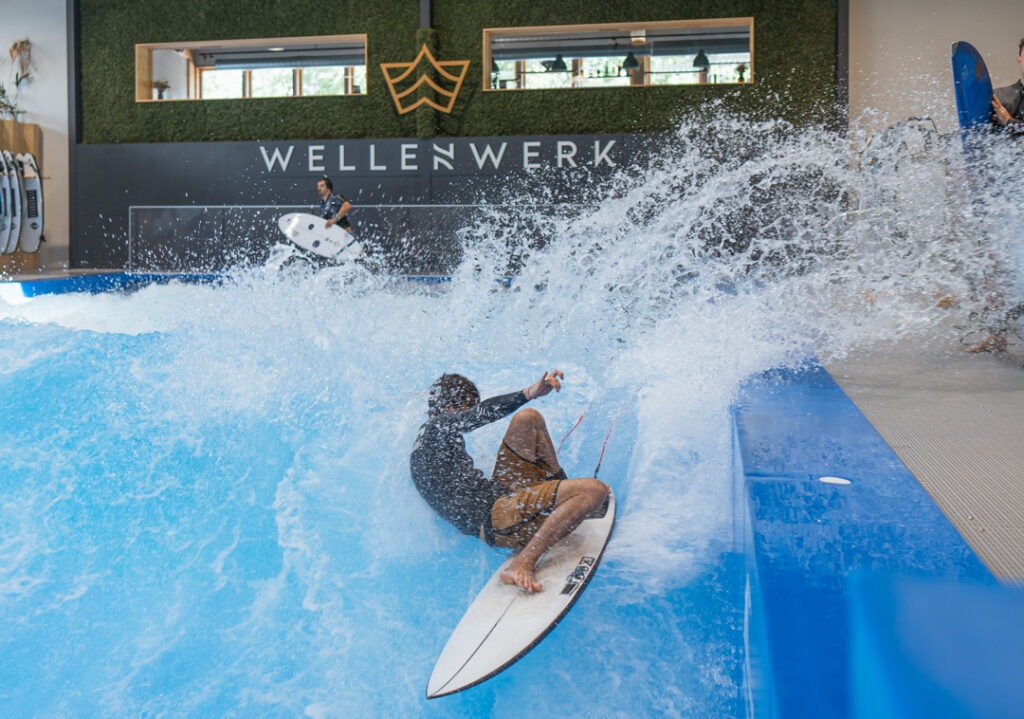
(521, 575)
(992, 343)
(574, 500)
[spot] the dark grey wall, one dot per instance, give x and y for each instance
(208, 206)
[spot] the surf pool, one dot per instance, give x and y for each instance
(206, 507)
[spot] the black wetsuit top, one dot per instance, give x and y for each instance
(330, 208)
(1012, 98)
(443, 471)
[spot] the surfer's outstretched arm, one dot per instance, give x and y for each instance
(548, 381)
(576, 500)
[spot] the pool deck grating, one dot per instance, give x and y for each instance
(956, 421)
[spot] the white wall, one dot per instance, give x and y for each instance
(45, 100)
(171, 67)
(900, 59)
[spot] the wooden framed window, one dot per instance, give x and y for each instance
(634, 54)
(265, 67)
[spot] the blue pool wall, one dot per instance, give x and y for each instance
(131, 281)
(102, 282)
(834, 571)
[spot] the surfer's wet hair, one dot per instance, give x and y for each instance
(327, 181)
(451, 391)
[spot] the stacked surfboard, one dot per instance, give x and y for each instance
(21, 203)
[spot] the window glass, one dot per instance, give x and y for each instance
(272, 82)
(267, 67)
(538, 75)
(683, 52)
(680, 69)
(222, 84)
(359, 80)
(323, 81)
(334, 80)
(602, 72)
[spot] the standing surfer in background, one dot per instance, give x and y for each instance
(529, 503)
(333, 207)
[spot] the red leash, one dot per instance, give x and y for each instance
(568, 433)
(605, 445)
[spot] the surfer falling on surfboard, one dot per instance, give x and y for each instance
(529, 503)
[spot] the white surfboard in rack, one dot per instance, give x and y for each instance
(32, 203)
(5, 202)
(504, 623)
(14, 198)
(309, 232)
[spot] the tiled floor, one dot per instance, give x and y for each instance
(957, 422)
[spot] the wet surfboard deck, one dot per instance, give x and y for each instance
(308, 232)
(504, 623)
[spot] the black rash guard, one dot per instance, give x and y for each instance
(443, 471)
(331, 206)
(1012, 98)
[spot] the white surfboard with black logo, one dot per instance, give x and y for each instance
(14, 197)
(32, 203)
(504, 623)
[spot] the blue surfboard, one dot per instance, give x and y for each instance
(972, 84)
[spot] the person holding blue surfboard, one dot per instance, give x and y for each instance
(528, 503)
(1008, 102)
(1007, 112)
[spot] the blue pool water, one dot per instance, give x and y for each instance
(205, 508)
(212, 532)
(214, 518)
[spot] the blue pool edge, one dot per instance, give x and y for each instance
(849, 588)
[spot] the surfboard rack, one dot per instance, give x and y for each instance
(20, 146)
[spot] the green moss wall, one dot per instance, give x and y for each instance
(794, 66)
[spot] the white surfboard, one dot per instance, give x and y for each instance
(504, 623)
(5, 219)
(308, 232)
(13, 202)
(32, 203)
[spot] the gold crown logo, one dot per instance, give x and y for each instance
(410, 82)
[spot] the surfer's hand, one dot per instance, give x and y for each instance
(330, 221)
(1001, 114)
(547, 382)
